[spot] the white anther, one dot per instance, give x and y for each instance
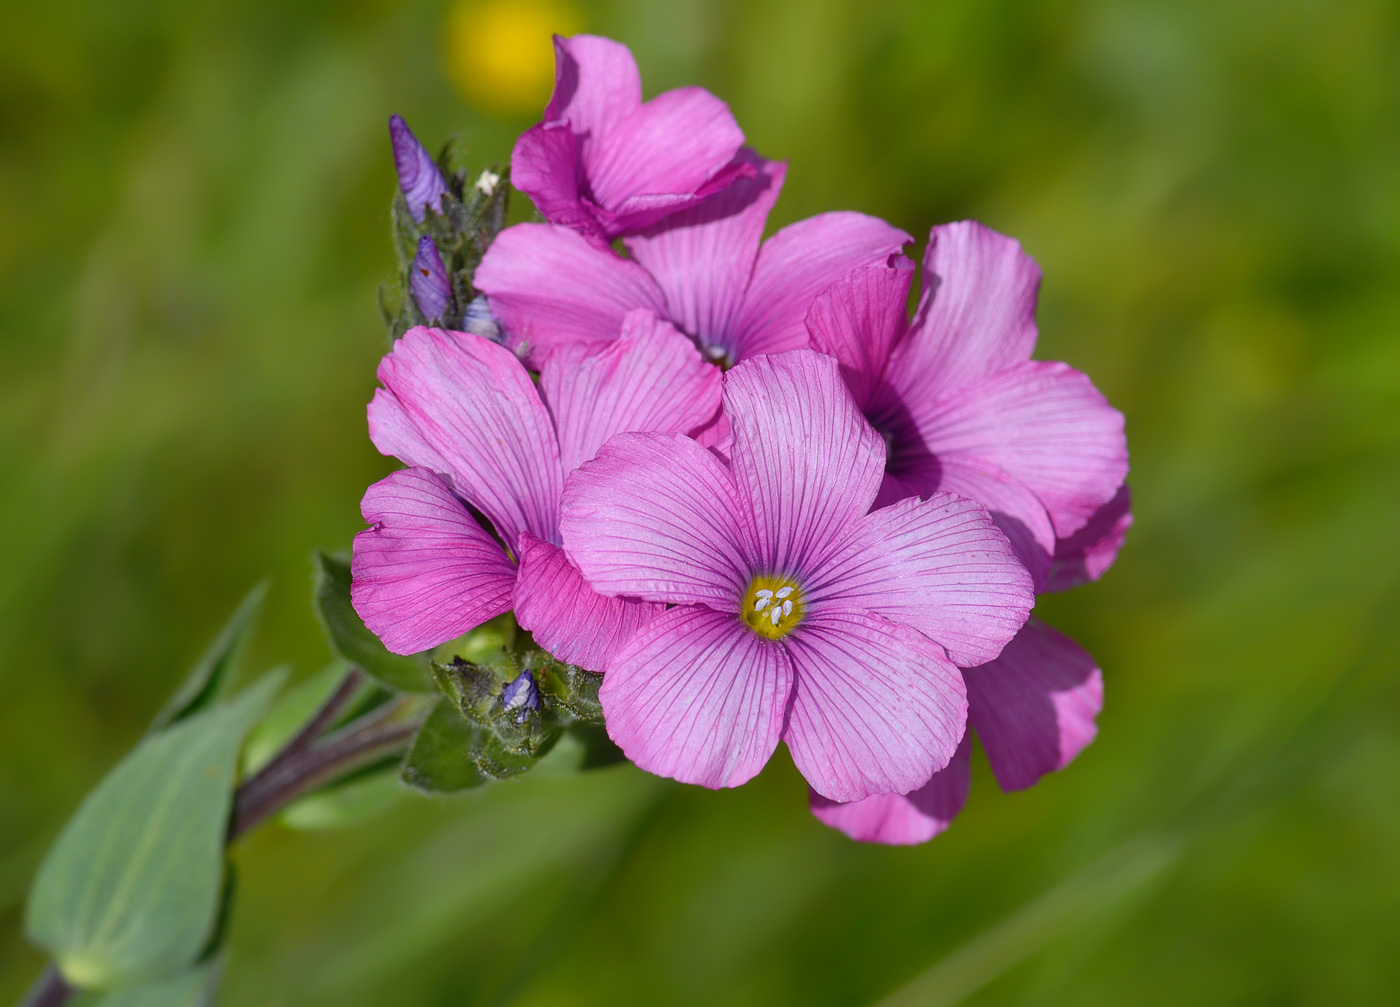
(487, 183)
(777, 614)
(765, 593)
(783, 592)
(761, 604)
(787, 608)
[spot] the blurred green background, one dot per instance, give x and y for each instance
(194, 219)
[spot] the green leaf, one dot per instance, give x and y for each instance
(190, 988)
(131, 889)
(352, 639)
(440, 759)
(207, 680)
(293, 709)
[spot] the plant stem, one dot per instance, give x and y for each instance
(49, 990)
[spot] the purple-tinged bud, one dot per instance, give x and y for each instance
(479, 321)
(419, 178)
(521, 697)
(428, 282)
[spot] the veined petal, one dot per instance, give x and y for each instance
(1016, 510)
(657, 516)
(1045, 425)
(567, 617)
(651, 378)
(977, 313)
(703, 257)
(904, 819)
(550, 286)
(1034, 706)
(425, 572)
(939, 565)
(596, 85)
(807, 463)
(466, 408)
(419, 178)
(545, 166)
(1086, 554)
(797, 264)
(877, 708)
(859, 319)
(698, 697)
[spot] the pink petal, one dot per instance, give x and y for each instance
(657, 516)
(1043, 424)
(977, 313)
(1016, 510)
(807, 463)
(651, 378)
(698, 697)
(939, 565)
(596, 86)
(567, 617)
(858, 320)
(1034, 706)
(877, 708)
(703, 257)
(659, 158)
(1086, 554)
(466, 408)
(797, 264)
(549, 286)
(545, 166)
(904, 819)
(425, 572)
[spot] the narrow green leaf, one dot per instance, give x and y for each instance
(206, 682)
(292, 709)
(351, 638)
(440, 760)
(131, 889)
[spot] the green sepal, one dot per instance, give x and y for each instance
(352, 639)
(570, 688)
(440, 759)
(208, 680)
(133, 886)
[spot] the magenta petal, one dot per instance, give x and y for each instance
(807, 463)
(426, 572)
(859, 319)
(567, 617)
(596, 85)
(698, 697)
(545, 166)
(657, 516)
(977, 313)
(939, 565)
(549, 286)
(904, 819)
(651, 378)
(877, 708)
(1086, 554)
(797, 264)
(1017, 511)
(1034, 706)
(465, 407)
(703, 257)
(1045, 425)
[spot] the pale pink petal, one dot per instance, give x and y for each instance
(939, 565)
(657, 516)
(1017, 511)
(550, 286)
(659, 158)
(466, 408)
(698, 697)
(877, 708)
(703, 257)
(651, 378)
(797, 264)
(1043, 424)
(1034, 706)
(425, 572)
(807, 463)
(596, 86)
(567, 617)
(1086, 554)
(904, 819)
(859, 319)
(545, 166)
(977, 313)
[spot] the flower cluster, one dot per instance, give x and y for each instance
(733, 476)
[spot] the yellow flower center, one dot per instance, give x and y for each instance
(772, 607)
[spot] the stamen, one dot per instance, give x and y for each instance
(772, 606)
(783, 592)
(787, 607)
(777, 614)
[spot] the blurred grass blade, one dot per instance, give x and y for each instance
(208, 679)
(131, 890)
(352, 639)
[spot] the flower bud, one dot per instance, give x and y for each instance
(521, 697)
(428, 282)
(419, 178)
(479, 321)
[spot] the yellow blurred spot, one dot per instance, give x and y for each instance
(500, 54)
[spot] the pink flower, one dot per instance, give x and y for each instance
(471, 530)
(705, 269)
(799, 614)
(607, 163)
